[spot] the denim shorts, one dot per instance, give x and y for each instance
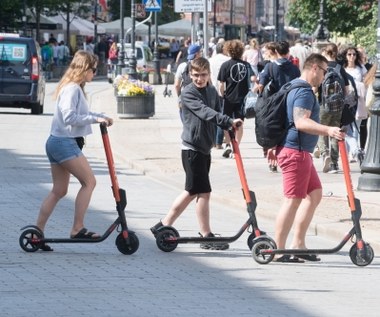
(61, 149)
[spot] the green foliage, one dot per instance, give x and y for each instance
(342, 16)
(10, 15)
(366, 36)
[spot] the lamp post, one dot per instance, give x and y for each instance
(156, 60)
(96, 22)
(370, 168)
(321, 33)
(120, 57)
(132, 60)
(24, 18)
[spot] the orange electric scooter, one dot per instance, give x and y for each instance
(32, 238)
(361, 253)
(168, 238)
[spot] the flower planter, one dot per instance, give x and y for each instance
(135, 107)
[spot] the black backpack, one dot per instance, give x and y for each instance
(271, 116)
(332, 92)
(186, 79)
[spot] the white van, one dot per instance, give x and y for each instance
(143, 55)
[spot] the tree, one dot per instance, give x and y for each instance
(352, 14)
(65, 8)
(10, 15)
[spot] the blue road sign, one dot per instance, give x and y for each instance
(152, 5)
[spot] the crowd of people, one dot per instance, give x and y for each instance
(211, 91)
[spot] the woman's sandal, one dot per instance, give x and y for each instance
(85, 234)
(287, 258)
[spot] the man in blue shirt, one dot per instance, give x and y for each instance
(301, 184)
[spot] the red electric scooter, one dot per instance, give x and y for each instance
(361, 253)
(168, 238)
(32, 238)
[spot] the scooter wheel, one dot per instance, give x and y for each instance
(262, 243)
(166, 240)
(30, 240)
(361, 258)
(123, 246)
(252, 237)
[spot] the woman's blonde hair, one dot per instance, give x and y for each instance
(76, 72)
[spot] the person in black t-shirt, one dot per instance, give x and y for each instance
(235, 81)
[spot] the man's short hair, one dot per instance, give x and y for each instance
(314, 58)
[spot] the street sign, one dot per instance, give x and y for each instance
(152, 5)
(140, 11)
(191, 5)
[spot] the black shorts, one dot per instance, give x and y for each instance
(233, 110)
(197, 168)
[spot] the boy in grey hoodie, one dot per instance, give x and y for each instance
(201, 112)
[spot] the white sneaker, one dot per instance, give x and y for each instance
(326, 164)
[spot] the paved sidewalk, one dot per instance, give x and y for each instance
(152, 146)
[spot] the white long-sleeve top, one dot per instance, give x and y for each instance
(72, 117)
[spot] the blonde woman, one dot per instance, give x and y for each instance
(71, 123)
(252, 55)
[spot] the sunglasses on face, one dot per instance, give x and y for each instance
(351, 54)
(324, 70)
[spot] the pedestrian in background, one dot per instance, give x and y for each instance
(279, 72)
(216, 62)
(201, 112)
(328, 147)
(234, 83)
(253, 55)
(71, 123)
(301, 184)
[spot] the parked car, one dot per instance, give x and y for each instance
(143, 54)
(22, 83)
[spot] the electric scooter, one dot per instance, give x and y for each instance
(32, 238)
(168, 238)
(361, 253)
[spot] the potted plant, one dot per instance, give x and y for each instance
(135, 98)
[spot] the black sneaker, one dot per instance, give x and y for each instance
(155, 228)
(213, 245)
(273, 168)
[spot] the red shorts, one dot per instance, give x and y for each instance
(299, 176)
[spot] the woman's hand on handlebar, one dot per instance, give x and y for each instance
(106, 121)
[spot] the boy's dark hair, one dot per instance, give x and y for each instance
(282, 48)
(199, 64)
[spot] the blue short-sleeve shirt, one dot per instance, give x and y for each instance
(302, 98)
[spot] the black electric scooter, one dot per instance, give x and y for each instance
(32, 238)
(168, 238)
(361, 253)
